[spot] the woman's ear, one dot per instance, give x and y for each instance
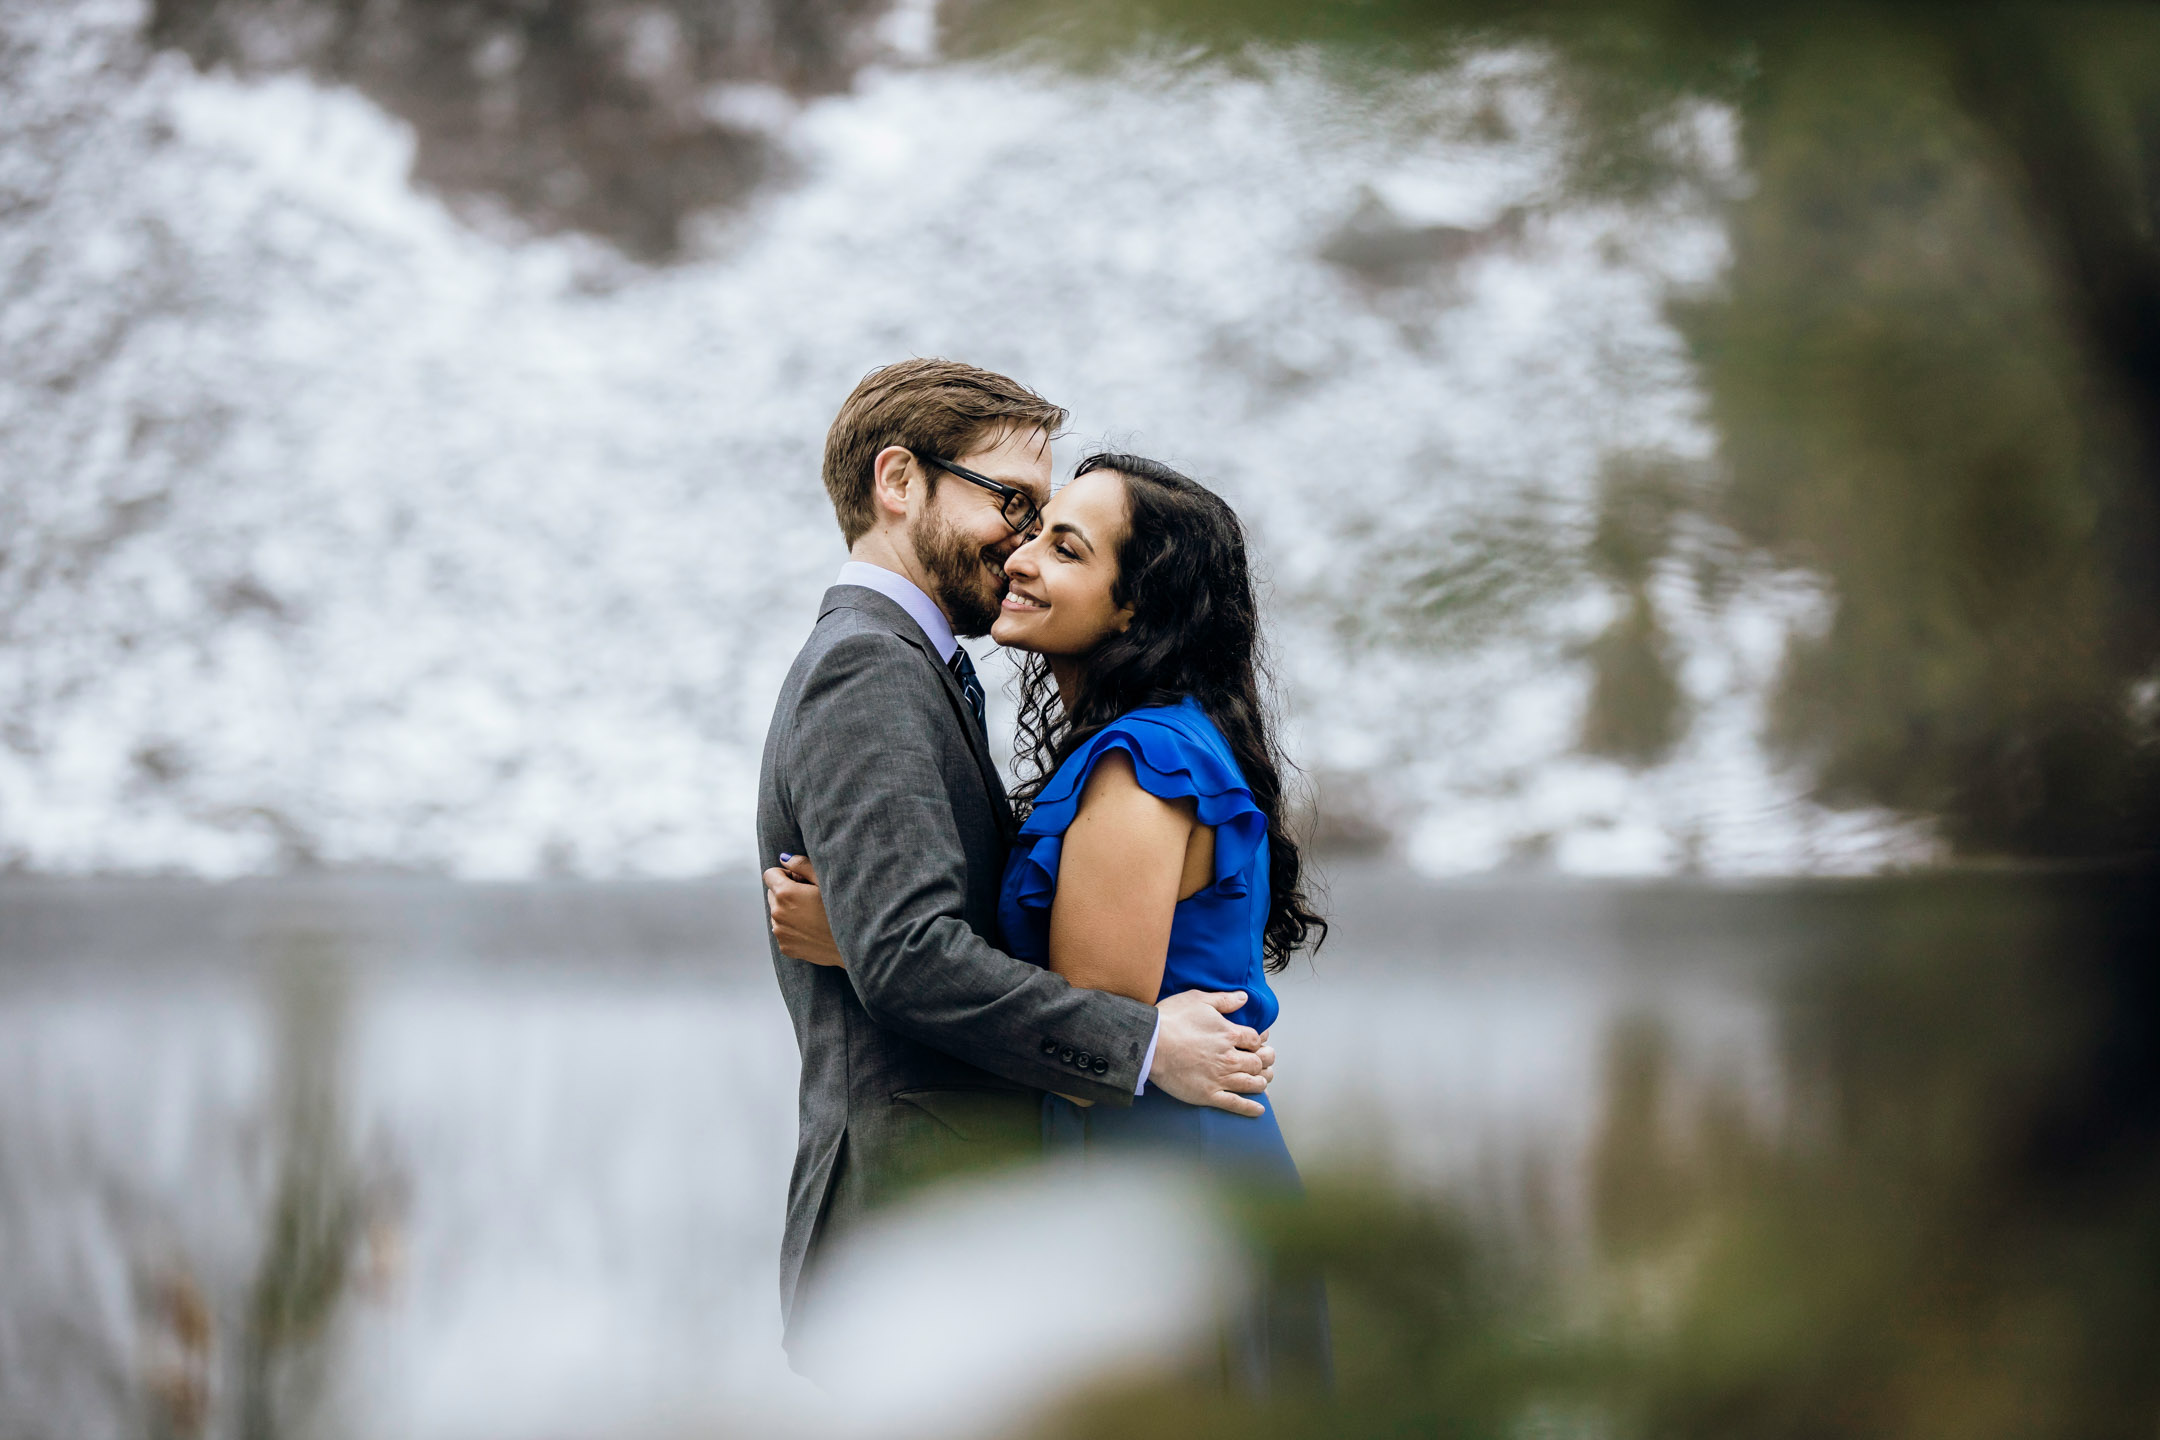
(1124, 620)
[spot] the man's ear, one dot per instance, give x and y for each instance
(892, 475)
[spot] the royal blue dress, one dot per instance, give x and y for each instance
(1276, 1335)
(1215, 934)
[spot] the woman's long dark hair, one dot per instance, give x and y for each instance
(1195, 632)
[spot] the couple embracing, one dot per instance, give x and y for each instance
(967, 987)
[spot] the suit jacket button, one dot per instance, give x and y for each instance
(1066, 1054)
(1102, 1066)
(1049, 1047)
(1083, 1060)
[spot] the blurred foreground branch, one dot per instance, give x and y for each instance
(1949, 1229)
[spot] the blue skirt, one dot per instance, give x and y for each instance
(1238, 1148)
(1279, 1336)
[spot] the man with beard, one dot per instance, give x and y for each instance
(930, 1049)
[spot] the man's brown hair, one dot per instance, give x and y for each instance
(932, 407)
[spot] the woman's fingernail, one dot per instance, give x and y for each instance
(785, 857)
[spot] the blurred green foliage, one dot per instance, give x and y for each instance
(1637, 708)
(1934, 365)
(315, 1216)
(1912, 403)
(1948, 1225)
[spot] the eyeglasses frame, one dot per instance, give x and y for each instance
(1032, 511)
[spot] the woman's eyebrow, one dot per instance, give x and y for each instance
(1068, 528)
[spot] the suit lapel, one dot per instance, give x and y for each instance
(888, 613)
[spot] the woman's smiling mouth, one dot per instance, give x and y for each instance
(1014, 600)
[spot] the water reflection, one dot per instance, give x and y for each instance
(394, 1160)
(1945, 1228)
(318, 1210)
(1670, 1153)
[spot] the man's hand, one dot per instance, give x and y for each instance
(1203, 1059)
(796, 913)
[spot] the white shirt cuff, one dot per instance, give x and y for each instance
(1147, 1062)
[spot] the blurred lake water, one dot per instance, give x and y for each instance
(538, 1135)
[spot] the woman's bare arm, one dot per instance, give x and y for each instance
(1121, 872)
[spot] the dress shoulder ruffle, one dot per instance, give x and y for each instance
(1177, 754)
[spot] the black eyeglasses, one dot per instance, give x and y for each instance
(1019, 509)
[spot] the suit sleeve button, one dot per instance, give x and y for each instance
(1083, 1060)
(1066, 1054)
(1102, 1066)
(1049, 1047)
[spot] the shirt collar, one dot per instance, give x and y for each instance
(909, 597)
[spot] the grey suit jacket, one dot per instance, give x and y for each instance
(931, 1050)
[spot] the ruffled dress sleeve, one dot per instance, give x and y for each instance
(1176, 755)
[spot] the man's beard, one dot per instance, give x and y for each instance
(966, 580)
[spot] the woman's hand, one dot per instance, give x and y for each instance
(796, 913)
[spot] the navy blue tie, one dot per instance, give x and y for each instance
(963, 670)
